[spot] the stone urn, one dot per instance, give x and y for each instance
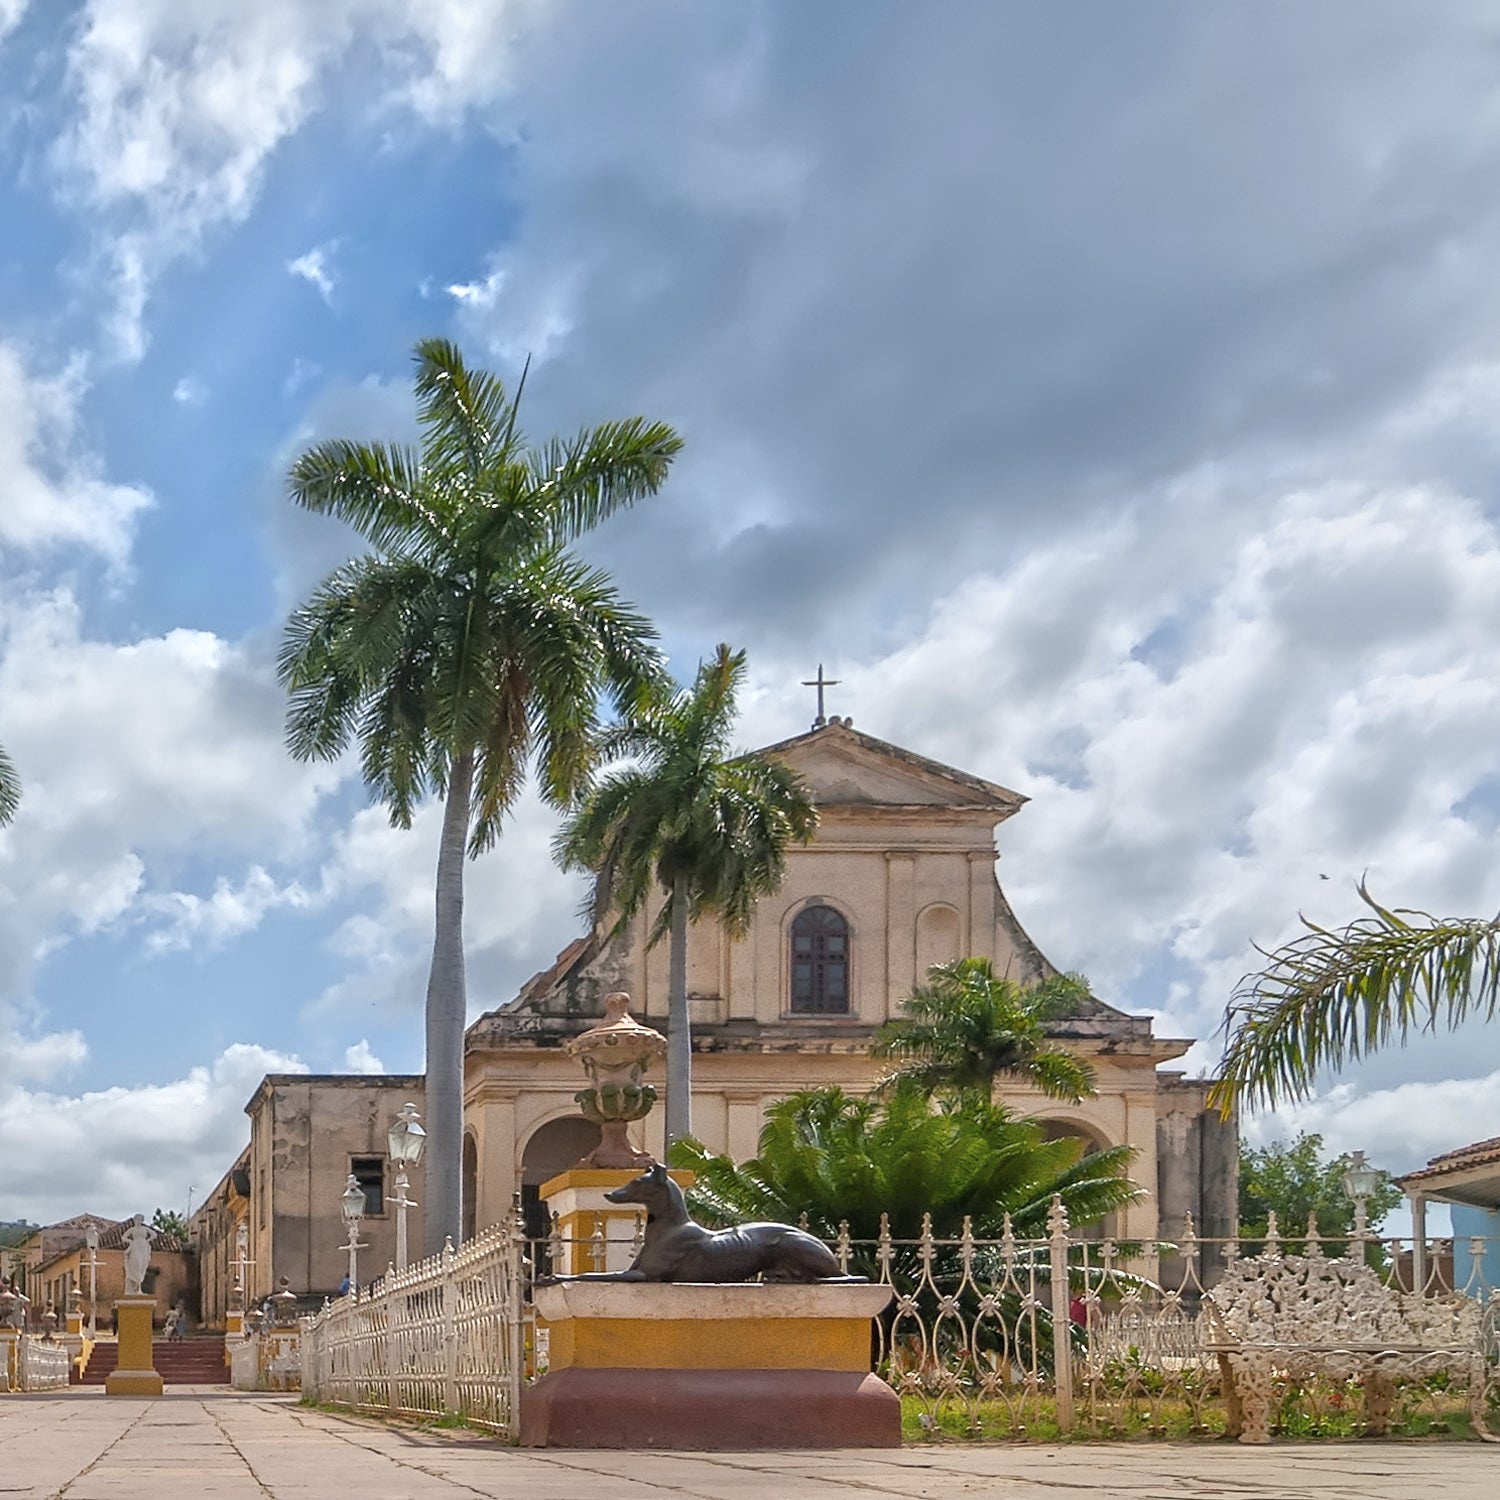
(615, 1055)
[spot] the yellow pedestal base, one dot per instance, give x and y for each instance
(134, 1375)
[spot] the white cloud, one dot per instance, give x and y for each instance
(1400, 1128)
(11, 12)
(180, 108)
(519, 909)
(520, 322)
(360, 1059)
(316, 268)
(136, 756)
(120, 1151)
(190, 391)
(39, 1059)
(191, 921)
(55, 494)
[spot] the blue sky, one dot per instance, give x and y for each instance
(1105, 395)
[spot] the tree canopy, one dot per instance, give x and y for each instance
(968, 1026)
(1294, 1179)
(468, 646)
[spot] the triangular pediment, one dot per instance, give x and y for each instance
(845, 767)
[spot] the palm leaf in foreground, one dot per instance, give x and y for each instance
(10, 788)
(1337, 994)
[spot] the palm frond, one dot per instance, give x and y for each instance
(583, 481)
(10, 788)
(377, 488)
(1335, 995)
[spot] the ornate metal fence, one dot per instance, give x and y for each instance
(1013, 1337)
(1036, 1338)
(443, 1336)
(41, 1365)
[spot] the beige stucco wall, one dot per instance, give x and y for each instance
(512, 1094)
(305, 1132)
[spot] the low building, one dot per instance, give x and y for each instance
(214, 1229)
(171, 1277)
(1468, 1180)
(44, 1245)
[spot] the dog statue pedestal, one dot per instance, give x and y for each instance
(596, 1235)
(731, 1367)
(135, 1374)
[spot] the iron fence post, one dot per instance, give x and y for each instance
(1062, 1331)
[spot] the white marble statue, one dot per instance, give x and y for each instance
(137, 1242)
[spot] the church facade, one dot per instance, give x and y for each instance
(900, 876)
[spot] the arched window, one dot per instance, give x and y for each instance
(820, 962)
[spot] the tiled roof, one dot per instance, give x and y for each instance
(1479, 1154)
(113, 1238)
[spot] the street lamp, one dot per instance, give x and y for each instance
(406, 1138)
(353, 1204)
(91, 1239)
(1360, 1180)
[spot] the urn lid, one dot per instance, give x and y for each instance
(619, 1037)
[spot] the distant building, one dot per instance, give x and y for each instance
(170, 1275)
(308, 1133)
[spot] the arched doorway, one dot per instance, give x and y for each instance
(1065, 1130)
(553, 1148)
(470, 1185)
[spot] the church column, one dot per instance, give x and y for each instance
(900, 930)
(498, 1158)
(979, 920)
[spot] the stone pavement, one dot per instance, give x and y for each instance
(81, 1445)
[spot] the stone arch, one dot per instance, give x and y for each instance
(553, 1147)
(1070, 1127)
(939, 937)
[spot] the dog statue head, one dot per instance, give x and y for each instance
(653, 1188)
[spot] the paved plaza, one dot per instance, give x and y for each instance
(209, 1442)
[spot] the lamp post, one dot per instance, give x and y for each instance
(91, 1239)
(353, 1203)
(1360, 1180)
(406, 1138)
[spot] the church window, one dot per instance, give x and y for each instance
(820, 962)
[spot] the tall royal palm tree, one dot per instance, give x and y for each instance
(968, 1026)
(706, 828)
(10, 788)
(465, 646)
(1335, 995)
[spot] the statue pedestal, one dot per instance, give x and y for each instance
(577, 1198)
(700, 1366)
(134, 1375)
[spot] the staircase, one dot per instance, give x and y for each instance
(191, 1361)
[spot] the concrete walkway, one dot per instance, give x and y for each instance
(211, 1442)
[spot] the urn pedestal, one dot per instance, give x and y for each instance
(710, 1367)
(134, 1375)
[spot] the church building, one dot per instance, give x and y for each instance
(900, 876)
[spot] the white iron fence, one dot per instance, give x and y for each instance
(32, 1364)
(443, 1336)
(1010, 1337)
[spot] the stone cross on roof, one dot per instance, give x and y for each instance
(820, 682)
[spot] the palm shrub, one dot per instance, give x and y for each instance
(968, 1026)
(841, 1159)
(684, 818)
(468, 646)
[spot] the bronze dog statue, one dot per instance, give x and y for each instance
(677, 1249)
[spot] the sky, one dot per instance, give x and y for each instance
(1104, 395)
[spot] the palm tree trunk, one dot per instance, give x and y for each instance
(679, 1028)
(447, 1006)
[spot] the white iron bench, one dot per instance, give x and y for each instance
(1300, 1316)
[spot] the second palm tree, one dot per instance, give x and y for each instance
(685, 818)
